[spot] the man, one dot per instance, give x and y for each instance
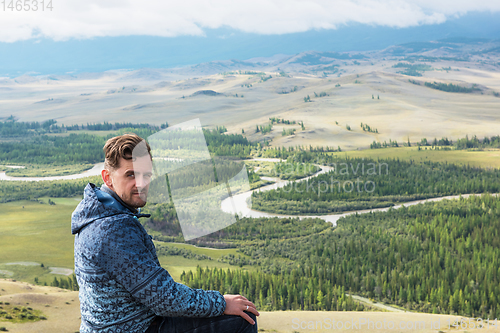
(123, 288)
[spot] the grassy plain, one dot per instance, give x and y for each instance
(35, 170)
(37, 232)
(486, 158)
(100, 133)
(32, 233)
(175, 265)
(262, 168)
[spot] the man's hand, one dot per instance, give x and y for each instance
(236, 304)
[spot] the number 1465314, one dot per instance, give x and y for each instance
(26, 5)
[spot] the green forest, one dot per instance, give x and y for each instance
(42, 148)
(460, 144)
(450, 87)
(435, 257)
(17, 190)
(288, 291)
(293, 170)
(13, 128)
(413, 69)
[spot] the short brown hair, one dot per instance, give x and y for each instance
(122, 146)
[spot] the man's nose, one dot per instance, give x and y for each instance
(140, 181)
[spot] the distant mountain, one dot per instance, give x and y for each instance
(135, 52)
(453, 49)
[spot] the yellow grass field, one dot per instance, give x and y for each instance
(486, 159)
(349, 321)
(404, 110)
(61, 308)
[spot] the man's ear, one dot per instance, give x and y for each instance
(106, 177)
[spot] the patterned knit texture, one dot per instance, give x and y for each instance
(122, 285)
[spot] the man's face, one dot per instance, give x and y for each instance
(131, 180)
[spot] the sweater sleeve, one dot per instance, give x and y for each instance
(127, 259)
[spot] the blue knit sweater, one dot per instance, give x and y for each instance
(122, 285)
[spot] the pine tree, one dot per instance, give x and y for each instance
(320, 298)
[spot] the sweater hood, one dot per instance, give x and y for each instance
(97, 204)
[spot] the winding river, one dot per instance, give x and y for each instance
(238, 203)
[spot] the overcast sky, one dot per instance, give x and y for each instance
(97, 18)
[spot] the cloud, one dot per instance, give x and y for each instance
(95, 18)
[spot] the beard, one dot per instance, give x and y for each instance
(136, 198)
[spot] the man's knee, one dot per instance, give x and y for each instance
(251, 328)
